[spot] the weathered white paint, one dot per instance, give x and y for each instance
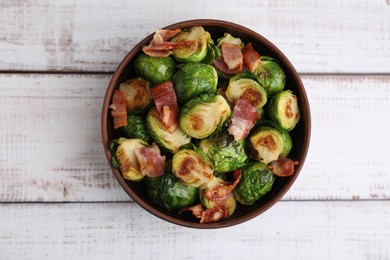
(52, 151)
(289, 230)
(51, 146)
(317, 36)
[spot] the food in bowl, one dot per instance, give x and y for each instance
(215, 150)
(204, 123)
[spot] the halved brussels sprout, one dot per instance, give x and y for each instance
(138, 96)
(256, 180)
(193, 79)
(154, 69)
(228, 38)
(226, 154)
(216, 194)
(267, 144)
(283, 109)
(168, 192)
(196, 52)
(245, 88)
(203, 115)
(126, 158)
(191, 168)
(160, 134)
(135, 128)
(270, 75)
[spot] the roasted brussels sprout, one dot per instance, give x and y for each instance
(216, 194)
(270, 75)
(203, 115)
(126, 158)
(135, 128)
(169, 193)
(191, 167)
(266, 144)
(193, 79)
(256, 180)
(160, 134)
(154, 69)
(226, 154)
(246, 88)
(228, 38)
(138, 96)
(198, 50)
(283, 110)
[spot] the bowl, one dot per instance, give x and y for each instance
(300, 135)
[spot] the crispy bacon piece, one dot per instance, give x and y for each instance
(214, 215)
(243, 120)
(150, 161)
(232, 56)
(223, 191)
(167, 109)
(196, 210)
(207, 215)
(221, 66)
(218, 194)
(160, 46)
(118, 107)
(231, 60)
(251, 57)
(283, 167)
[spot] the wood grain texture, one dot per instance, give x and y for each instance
(317, 36)
(50, 139)
(289, 230)
(52, 151)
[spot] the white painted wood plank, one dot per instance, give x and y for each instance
(89, 35)
(52, 151)
(348, 157)
(51, 141)
(289, 230)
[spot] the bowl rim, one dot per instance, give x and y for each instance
(303, 107)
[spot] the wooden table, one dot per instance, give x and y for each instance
(58, 198)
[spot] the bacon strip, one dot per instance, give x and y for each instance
(207, 215)
(165, 101)
(160, 45)
(243, 120)
(118, 107)
(196, 210)
(150, 161)
(232, 56)
(251, 57)
(219, 195)
(214, 215)
(222, 192)
(283, 167)
(221, 66)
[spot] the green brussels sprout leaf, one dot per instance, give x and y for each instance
(169, 193)
(154, 69)
(270, 76)
(135, 128)
(256, 180)
(194, 79)
(226, 154)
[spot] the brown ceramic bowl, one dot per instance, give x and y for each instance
(300, 135)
